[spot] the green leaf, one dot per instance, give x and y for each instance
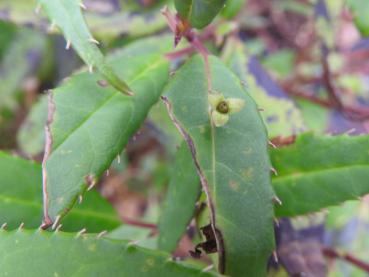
(332, 170)
(20, 60)
(233, 165)
(140, 236)
(92, 122)
(106, 21)
(31, 136)
(199, 12)
(179, 207)
(232, 7)
(66, 14)
(360, 9)
(21, 200)
(30, 253)
(7, 33)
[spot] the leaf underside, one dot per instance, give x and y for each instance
(26, 253)
(234, 161)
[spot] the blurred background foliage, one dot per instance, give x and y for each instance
(288, 53)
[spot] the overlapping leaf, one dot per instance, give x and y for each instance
(332, 170)
(92, 122)
(66, 14)
(199, 12)
(233, 163)
(179, 207)
(21, 59)
(26, 253)
(21, 200)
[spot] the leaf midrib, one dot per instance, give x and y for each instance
(316, 171)
(84, 120)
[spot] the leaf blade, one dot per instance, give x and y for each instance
(21, 200)
(67, 16)
(334, 169)
(199, 12)
(64, 254)
(97, 121)
(183, 192)
(230, 178)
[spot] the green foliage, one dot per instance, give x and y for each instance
(67, 16)
(230, 160)
(220, 155)
(333, 170)
(19, 61)
(232, 7)
(183, 192)
(199, 13)
(6, 36)
(21, 200)
(63, 254)
(96, 120)
(31, 136)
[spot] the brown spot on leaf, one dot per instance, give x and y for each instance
(234, 185)
(102, 83)
(248, 172)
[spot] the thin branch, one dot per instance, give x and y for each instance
(334, 254)
(138, 223)
(350, 112)
(327, 81)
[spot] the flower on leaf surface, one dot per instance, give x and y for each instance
(222, 108)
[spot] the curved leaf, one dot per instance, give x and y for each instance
(233, 165)
(179, 207)
(232, 8)
(199, 12)
(31, 137)
(21, 200)
(21, 58)
(66, 14)
(26, 253)
(332, 170)
(92, 122)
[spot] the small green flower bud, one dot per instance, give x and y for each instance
(235, 105)
(223, 107)
(215, 99)
(219, 119)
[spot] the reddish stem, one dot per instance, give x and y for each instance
(138, 223)
(333, 254)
